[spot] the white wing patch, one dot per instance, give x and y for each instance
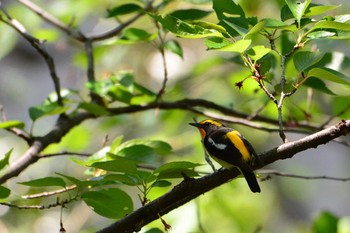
(218, 146)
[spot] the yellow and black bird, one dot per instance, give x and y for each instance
(229, 148)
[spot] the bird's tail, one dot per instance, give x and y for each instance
(251, 180)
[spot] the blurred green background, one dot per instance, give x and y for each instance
(285, 204)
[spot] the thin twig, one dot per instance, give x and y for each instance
(18, 132)
(40, 48)
(52, 20)
(64, 153)
(91, 69)
(32, 155)
(22, 134)
(48, 194)
(277, 173)
(280, 103)
(90, 59)
(165, 67)
(38, 207)
(116, 31)
(78, 35)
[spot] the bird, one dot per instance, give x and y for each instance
(229, 148)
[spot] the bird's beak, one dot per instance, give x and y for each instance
(195, 124)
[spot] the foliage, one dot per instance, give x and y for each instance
(280, 61)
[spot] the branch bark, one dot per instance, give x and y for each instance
(32, 155)
(65, 124)
(189, 189)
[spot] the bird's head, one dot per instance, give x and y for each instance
(206, 126)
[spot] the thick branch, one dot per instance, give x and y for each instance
(63, 126)
(192, 188)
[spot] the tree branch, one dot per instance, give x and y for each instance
(32, 155)
(52, 20)
(228, 114)
(52, 193)
(39, 207)
(284, 174)
(192, 188)
(64, 125)
(39, 46)
(76, 34)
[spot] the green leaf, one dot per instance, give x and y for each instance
(277, 24)
(123, 10)
(45, 110)
(120, 93)
(12, 124)
(329, 74)
(298, 8)
(210, 26)
(326, 222)
(176, 170)
(257, 52)
(314, 10)
(143, 177)
(177, 165)
(222, 7)
(138, 153)
(94, 108)
(287, 43)
(332, 25)
(320, 34)
(161, 183)
(80, 183)
(174, 47)
(143, 90)
(340, 104)
(132, 35)
(98, 156)
(304, 59)
(257, 28)
(4, 192)
(286, 13)
(342, 18)
(216, 42)
(123, 178)
(318, 84)
(118, 164)
(5, 160)
(43, 182)
(239, 46)
(183, 29)
(111, 203)
(141, 150)
(160, 147)
(236, 27)
(190, 14)
(116, 142)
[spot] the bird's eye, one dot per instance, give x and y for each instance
(206, 123)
